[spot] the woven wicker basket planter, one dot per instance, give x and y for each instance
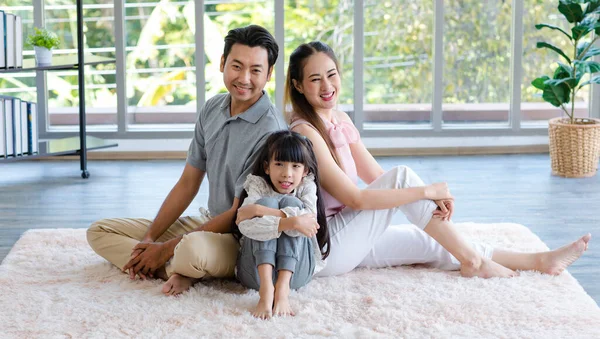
(574, 148)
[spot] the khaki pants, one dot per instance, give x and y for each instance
(198, 254)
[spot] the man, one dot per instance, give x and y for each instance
(230, 129)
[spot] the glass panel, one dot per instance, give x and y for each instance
(537, 62)
(161, 64)
(331, 22)
(476, 62)
(398, 73)
(222, 16)
(63, 94)
(20, 85)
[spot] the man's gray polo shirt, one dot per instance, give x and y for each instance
(225, 147)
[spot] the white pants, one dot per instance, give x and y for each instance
(366, 238)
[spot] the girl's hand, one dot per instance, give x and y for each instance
(438, 191)
(306, 224)
(246, 212)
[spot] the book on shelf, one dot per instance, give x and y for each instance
(8, 127)
(32, 128)
(16, 112)
(24, 128)
(2, 39)
(2, 131)
(18, 42)
(10, 40)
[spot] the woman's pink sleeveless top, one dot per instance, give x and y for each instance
(342, 135)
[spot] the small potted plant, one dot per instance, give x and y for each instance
(43, 41)
(574, 142)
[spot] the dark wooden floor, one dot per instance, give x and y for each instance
(488, 189)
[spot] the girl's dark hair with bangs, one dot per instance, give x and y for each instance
(290, 146)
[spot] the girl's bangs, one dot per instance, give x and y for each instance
(288, 150)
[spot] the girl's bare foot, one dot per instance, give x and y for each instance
(486, 269)
(282, 302)
(177, 284)
(264, 308)
(555, 262)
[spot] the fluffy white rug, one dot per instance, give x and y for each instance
(52, 285)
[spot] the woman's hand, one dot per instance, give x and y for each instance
(246, 212)
(306, 224)
(438, 191)
(446, 209)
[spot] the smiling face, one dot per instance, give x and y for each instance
(321, 83)
(245, 74)
(285, 175)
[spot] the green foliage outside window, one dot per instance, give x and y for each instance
(398, 48)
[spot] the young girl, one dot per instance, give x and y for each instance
(359, 219)
(276, 255)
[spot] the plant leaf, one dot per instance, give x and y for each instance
(590, 53)
(589, 66)
(571, 11)
(584, 27)
(539, 83)
(540, 26)
(563, 71)
(571, 82)
(594, 80)
(593, 6)
(554, 48)
(594, 66)
(556, 95)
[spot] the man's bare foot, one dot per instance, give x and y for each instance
(264, 308)
(486, 269)
(177, 284)
(555, 262)
(282, 306)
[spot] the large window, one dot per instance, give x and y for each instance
(476, 61)
(398, 62)
(465, 83)
(63, 93)
(161, 64)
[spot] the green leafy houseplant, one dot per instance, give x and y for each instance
(43, 38)
(560, 89)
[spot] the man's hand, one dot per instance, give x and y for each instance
(146, 258)
(246, 212)
(446, 209)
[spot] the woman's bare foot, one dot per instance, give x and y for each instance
(282, 306)
(486, 269)
(555, 262)
(264, 308)
(177, 284)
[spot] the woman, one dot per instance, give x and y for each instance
(359, 219)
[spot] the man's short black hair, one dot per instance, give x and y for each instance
(252, 36)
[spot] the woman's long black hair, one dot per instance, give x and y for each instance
(290, 146)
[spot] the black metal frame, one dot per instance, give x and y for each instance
(80, 72)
